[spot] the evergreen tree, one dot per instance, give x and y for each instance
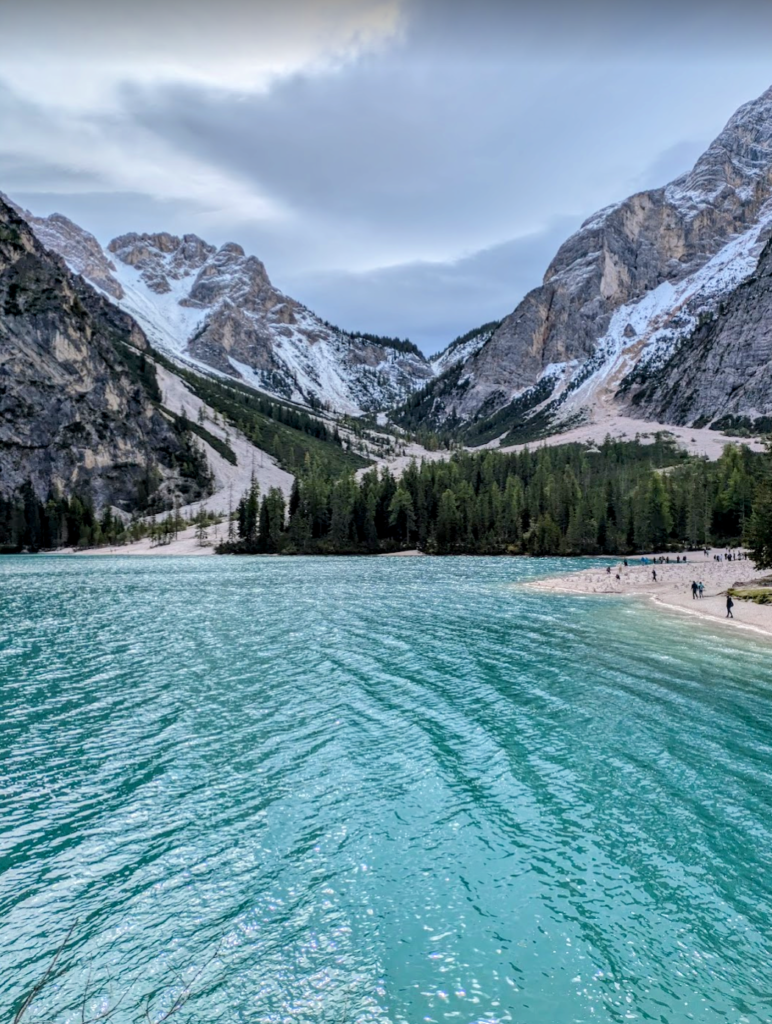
(342, 501)
(247, 513)
(758, 532)
(610, 499)
(272, 516)
(659, 520)
(402, 516)
(447, 522)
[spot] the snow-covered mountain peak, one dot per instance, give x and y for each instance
(736, 169)
(230, 274)
(678, 226)
(216, 308)
(629, 295)
(162, 257)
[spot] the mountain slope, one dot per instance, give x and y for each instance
(622, 293)
(79, 408)
(724, 366)
(216, 308)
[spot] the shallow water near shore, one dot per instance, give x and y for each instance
(378, 790)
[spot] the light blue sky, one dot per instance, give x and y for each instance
(400, 166)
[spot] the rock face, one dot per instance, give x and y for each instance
(77, 409)
(723, 370)
(631, 281)
(161, 258)
(217, 308)
(81, 251)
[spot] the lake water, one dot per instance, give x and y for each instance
(372, 790)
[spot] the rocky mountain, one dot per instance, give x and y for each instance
(722, 371)
(646, 289)
(639, 313)
(79, 402)
(216, 308)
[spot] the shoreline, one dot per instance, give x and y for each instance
(671, 593)
(672, 590)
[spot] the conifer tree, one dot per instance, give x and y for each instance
(447, 522)
(248, 514)
(758, 533)
(402, 516)
(659, 520)
(271, 524)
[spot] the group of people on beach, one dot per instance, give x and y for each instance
(697, 592)
(663, 560)
(698, 587)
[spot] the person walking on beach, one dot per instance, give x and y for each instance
(654, 575)
(729, 607)
(695, 588)
(701, 588)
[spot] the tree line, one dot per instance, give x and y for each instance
(288, 433)
(29, 523)
(617, 498)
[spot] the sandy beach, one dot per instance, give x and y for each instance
(673, 586)
(186, 543)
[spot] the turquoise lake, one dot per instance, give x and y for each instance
(377, 790)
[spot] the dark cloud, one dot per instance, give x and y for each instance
(585, 28)
(405, 149)
(593, 30)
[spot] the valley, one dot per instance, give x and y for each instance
(652, 322)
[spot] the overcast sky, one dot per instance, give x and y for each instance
(401, 166)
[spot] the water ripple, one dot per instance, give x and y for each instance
(383, 790)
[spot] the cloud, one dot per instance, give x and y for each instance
(594, 29)
(100, 152)
(432, 303)
(399, 157)
(394, 162)
(71, 54)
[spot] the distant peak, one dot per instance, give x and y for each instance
(233, 249)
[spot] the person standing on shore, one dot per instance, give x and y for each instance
(695, 588)
(729, 607)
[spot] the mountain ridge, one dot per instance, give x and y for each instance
(216, 308)
(604, 302)
(623, 296)
(79, 401)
